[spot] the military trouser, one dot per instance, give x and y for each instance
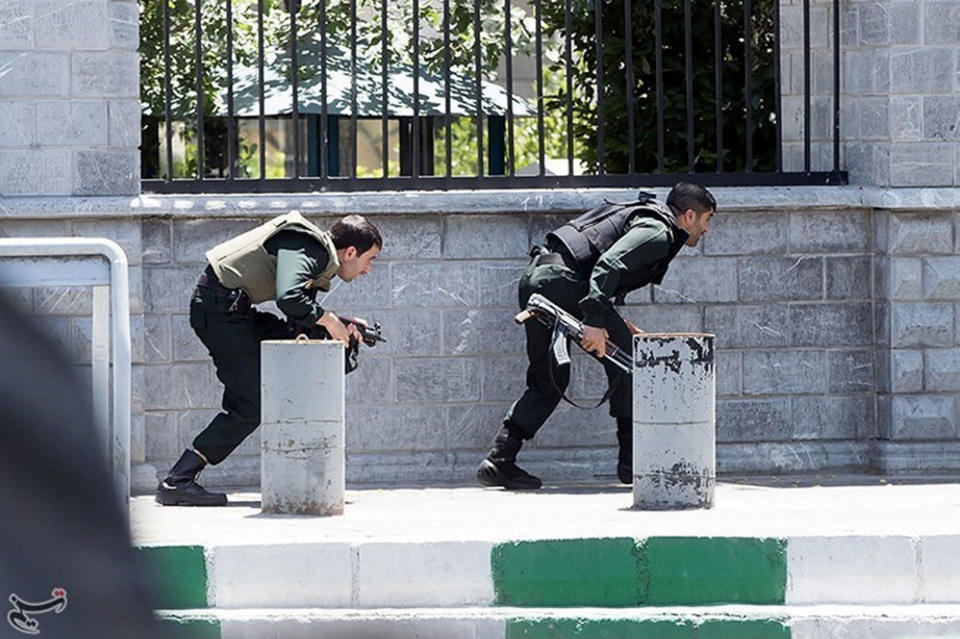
(565, 288)
(233, 340)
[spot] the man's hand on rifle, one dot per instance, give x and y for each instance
(337, 330)
(594, 340)
(354, 324)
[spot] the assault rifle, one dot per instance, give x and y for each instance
(369, 335)
(565, 326)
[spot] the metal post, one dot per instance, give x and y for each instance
(303, 468)
(674, 424)
(67, 261)
(100, 365)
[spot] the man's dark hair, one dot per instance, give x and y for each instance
(687, 195)
(356, 231)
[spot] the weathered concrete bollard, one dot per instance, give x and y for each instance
(674, 423)
(303, 468)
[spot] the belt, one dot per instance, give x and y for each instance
(238, 301)
(208, 279)
(566, 259)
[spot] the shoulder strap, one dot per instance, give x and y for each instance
(552, 361)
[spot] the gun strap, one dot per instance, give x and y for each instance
(350, 356)
(610, 388)
(350, 352)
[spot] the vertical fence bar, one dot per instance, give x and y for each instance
(541, 151)
(415, 165)
(168, 120)
(508, 35)
(806, 85)
(568, 61)
(836, 85)
(324, 116)
(628, 37)
(688, 63)
(658, 35)
(294, 6)
(446, 86)
(384, 106)
(598, 19)
(353, 89)
(231, 124)
(718, 77)
(260, 119)
(478, 84)
(748, 75)
(199, 62)
(778, 83)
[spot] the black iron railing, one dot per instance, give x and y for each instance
(623, 93)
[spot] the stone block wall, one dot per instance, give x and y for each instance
(918, 277)
(900, 89)
(836, 320)
(790, 295)
(69, 97)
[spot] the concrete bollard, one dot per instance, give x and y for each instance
(303, 467)
(674, 423)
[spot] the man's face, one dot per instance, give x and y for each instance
(353, 264)
(697, 225)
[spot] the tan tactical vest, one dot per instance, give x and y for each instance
(244, 263)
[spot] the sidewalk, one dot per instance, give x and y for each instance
(854, 505)
(786, 558)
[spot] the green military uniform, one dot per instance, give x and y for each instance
(640, 255)
(287, 260)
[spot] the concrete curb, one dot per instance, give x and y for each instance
(488, 201)
(600, 572)
(873, 570)
(714, 622)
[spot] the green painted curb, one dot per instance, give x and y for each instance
(569, 572)
(674, 628)
(620, 572)
(176, 576)
(189, 627)
(705, 570)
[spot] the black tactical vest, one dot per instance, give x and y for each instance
(588, 237)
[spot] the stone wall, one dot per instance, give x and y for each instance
(918, 278)
(834, 311)
(69, 97)
(900, 89)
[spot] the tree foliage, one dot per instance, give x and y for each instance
(613, 54)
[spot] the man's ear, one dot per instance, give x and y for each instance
(350, 252)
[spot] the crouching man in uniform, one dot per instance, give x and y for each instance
(288, 259)
(589, 262)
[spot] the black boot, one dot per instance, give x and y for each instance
(179, 487)
(500, 468)
(625, 458)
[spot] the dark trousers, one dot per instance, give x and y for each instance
(565, 288)
(233, 340)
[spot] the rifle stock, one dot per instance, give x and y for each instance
(560, 321)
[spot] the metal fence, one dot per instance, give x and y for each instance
(623, 93)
